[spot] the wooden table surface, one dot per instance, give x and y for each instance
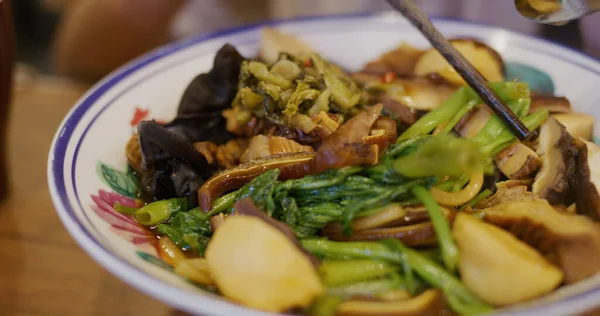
(42, 270)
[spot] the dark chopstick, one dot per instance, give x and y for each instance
(418, 19)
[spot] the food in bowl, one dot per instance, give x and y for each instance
(288, 184)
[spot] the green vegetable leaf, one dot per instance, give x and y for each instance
(189, 230)
(440, 156)
(192, 221)
(302, 93)
(324, 179)
(260, 189)
(290, 211)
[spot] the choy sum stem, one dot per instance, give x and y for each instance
(159, 211)
(478, 198)
(510, 92)
(495, 144)
(424, 267)
(337, 272)
(347, 250)
(431, 120)
(223, 203)
(458, 116)
(459, 297)
(441, 227)
(369, 287)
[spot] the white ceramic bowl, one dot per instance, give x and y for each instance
(87, 165)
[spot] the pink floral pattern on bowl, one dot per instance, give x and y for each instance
(124, 226)
(125, 187)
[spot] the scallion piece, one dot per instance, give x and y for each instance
(159, 211)
(125, 210)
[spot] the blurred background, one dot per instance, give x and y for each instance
(46, 27)
(64, 46)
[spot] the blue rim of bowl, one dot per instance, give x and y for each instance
(56, 159)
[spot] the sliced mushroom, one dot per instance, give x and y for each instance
(399, 111)
(421, 234)
(473, 122)
(345, 147)
(558, 151)
(587, 181)
(429, 303)
(245, 256)
(498, 267)
(486, 60)
(401, 61)
(274, 42)
(291, 165)
(421, 94)
(572, 242)
(418, 93)
(391, 215)
(383, 134)
(551, 103)
(518, 161)
(411, 226)
(516, 192)
(577, 124)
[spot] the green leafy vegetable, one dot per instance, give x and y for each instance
(260, 71)
(302, 93)
(290, 91)
(325, 179)
(260, 189)
(440, 156)
(189, 230)
(250, 99)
